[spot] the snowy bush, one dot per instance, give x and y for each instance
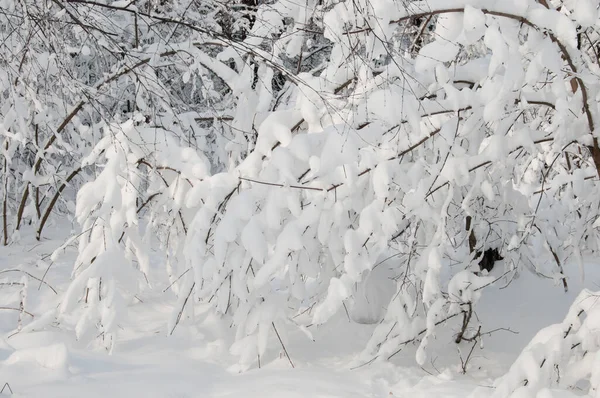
(565, 355)
(295, 159)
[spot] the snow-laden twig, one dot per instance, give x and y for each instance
(180, 314)
(31, 276)
(283, 345)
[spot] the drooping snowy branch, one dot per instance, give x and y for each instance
(280, 153)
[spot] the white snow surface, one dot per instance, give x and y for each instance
(44, 360)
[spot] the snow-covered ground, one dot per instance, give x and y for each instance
(195, 361)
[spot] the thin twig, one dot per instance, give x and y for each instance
(31, 276)
(175, 281)
(405, 342)
(274, 184)
(282, 345)
(183, 308)
(18, 309)
(5, 386)
(466, 361)
(53, 202)
(466, 319)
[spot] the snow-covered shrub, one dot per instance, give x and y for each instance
(396, 155)
(64, 77)
(565, 355)
(113, 259)
(280, 152)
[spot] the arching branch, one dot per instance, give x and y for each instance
(595, 147)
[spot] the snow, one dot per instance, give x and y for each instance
(254, 241)
(236, 200)
(435, 53)
(474, 24)
(586, 13)
(195, 361)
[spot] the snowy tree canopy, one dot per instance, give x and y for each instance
(290, 160)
